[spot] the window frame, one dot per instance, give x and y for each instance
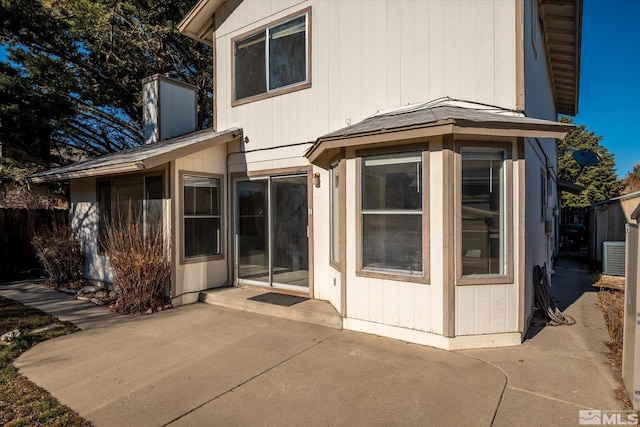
(285, 89)
(221, 192)
(142, 177)
(335, 214)
(543, 195)
(485, 279)
(423, 148)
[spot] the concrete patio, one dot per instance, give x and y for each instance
(204, 365)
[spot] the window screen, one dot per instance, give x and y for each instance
(392, 231)
(287, 53)
(261, 67)
(202, 221)
(483, 211)
(335, 214)
(137, 198)
(250, 68)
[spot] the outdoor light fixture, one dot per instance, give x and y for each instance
(316, 180)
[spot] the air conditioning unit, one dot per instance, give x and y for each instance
(613, 255)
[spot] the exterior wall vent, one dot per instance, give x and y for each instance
(613, 258)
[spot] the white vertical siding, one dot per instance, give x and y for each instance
(357, 297)
(84, 220)
(539, 153)
(390, 302)
(327, 280)
(493, 308)
(372, 55)
(539, 95)
(178, 109)
(539, 246)
(369, 55)
(485, 70)
(193, 277)
(486, 309)
(504, 76)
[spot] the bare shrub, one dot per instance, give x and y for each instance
(612, 304)
(60, 254)
(140, 265)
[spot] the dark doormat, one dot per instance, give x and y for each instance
(278, 299)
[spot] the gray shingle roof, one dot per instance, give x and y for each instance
(439, 117)
(137, 158)
(442, 114)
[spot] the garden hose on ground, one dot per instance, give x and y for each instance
(543, 299)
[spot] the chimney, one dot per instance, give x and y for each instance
(170, 108)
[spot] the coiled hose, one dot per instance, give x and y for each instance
(543, 299)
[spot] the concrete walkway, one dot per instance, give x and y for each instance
(82, 313)
(207, 365)
(558, 369)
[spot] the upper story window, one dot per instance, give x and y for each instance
(274, 59)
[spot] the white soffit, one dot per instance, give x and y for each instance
(199, 22)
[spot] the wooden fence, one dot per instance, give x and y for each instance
(17, 228)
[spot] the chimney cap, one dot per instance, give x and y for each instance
(169, 79)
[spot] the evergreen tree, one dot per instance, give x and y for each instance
(632, 180)
(87, 59)
(28, 116)
(600, 182)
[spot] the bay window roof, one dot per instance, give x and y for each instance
(439, 117)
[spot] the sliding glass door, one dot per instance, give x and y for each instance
(272, 247)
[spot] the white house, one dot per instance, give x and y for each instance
(394, 158)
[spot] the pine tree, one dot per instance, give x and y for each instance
(632, 180)
(90, 56)
(600, 182)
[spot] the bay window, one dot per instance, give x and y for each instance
(392, 213)
(335, 214)
(484, 211)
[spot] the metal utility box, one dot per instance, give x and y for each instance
(631, 337)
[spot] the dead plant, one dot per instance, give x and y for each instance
(140, 264)
(60, 254)
(612, 304)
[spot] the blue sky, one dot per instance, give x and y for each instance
(610, 77)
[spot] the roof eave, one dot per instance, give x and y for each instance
(88, 173)
(570, 187)
(562, 29)
(199, 22)
(444, 127)
(220, 139)
(142, 164)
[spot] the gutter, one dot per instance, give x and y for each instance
(104, 170)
